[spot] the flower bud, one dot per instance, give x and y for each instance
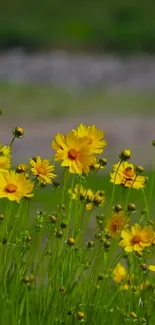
(1, 217)
(103, 161)
(100, 277)
(107, 244)
(43, 184)
(125, 155)
(71, 241)
(144, 267)
(62, 289)
(118, 208)
(153, 143)
(133, 315)
(90, 244)
(18, 132)
(139, 169)
(59, 234)
(63, 224)
(80, 315)
(131, 207)
(26, 279)
(53, 219)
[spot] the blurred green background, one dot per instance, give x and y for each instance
(98, 29)
(108, 25)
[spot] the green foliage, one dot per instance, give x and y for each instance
(125, 26)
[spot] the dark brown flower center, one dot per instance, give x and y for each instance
(11, 188)
(136, 239)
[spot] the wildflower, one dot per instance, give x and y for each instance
(5, 151)
(42, 169)
(133, 315)
(125, 174)
(74, 153)
(94, 137)
(119, 273)
(136, 238)
(117, 223)
(5, 163)
(99, 198)
(59, 141)
(15, 186)
(80, 193)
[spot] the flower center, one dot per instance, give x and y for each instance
(90, 140)
(129, 172)
(73, 154)
(115, 226)
(41, 170)
(11, 188)
(136, 239)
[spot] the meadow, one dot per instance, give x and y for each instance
(77, 243)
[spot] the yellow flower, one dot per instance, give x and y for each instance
(124, 174)
(136, 238)
(119, 273)
(94, 137)
(5, 151)
(80, 193)
(21, 168)
(58, 143)
(42, 169)
(5, 163)
(15, 186)
(74, 153)
(117, 223)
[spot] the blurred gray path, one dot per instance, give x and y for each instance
(120, 133)
(77, 71)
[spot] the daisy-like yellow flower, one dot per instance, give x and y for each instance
(74, 153)
(137, 238)
(5, 151)
(15, 186)
(5, 163)
(117, 223)
(94, 137)
(124, 173)
(42, 169)
(119, 273)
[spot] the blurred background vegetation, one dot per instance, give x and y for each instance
(104, 25)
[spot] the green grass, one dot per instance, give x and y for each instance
(43, 102)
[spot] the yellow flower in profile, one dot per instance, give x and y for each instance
(74, 153)
(15, 186)
(124, 174)
(42, 169)
(137, 238)
(94, 137)
(117, 223)
(5, 151)
(21, 168)
(151, 268)
(119, 273)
